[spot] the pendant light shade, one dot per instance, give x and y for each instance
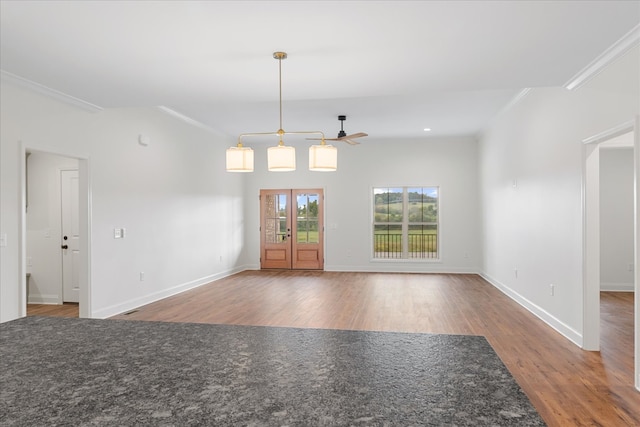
(323, 158)
(239, 159)
(281, 158)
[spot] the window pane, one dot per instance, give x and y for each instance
(271, 232)
(276, 218)
(307, 218)
(423, 204)
(387, 241)
(423, 241)
(387, 204)
(307, 231)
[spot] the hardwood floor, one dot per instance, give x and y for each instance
(68, 309)
(568, 386)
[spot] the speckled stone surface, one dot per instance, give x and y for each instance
(85, 372)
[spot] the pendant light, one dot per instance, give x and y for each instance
(323, 158)
(282, 158)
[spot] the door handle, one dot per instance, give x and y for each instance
(65, 246)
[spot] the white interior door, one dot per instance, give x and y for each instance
(70, 240)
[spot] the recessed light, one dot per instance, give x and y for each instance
(427, 129)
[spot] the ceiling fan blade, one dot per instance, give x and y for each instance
(348, 141)
(326, 139)
(353, 135)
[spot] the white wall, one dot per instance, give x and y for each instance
(182, 211)
(449, 163)
(43, 226)
(616, 219)
(535, 227)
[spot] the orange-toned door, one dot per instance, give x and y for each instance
(292, 229)
(308, 227)
(275, 229)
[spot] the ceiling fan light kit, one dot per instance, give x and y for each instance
(282, 158)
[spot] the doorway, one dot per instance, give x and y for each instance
(592, 217)
(41, 230)
(292, 229)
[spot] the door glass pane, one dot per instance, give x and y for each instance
(275, 218)
(307, 218)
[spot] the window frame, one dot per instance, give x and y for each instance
(405, 225)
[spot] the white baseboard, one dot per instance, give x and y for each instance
(382, 267)
(564, 329)
(123, 307)
(52, 299)
(616, 287)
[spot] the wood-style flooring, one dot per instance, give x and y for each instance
(568, 386)
(68, 309)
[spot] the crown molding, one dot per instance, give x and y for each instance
(508, 106)
(605, 135)
(185, 118)
(47, 91)
(516, 99)
(615, 51)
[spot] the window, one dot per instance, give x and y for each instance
(405, 223)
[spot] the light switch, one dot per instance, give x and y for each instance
(117, 233)
(3, 240)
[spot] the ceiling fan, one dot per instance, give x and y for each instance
(342, 135)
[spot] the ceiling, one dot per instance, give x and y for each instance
(393, 67)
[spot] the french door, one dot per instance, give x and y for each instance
(292, 229)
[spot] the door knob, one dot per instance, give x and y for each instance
(65, 246)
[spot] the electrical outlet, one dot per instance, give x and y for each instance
(515, 272)
(142, 276)
(117, 233)
(630, 267)
(552, 289)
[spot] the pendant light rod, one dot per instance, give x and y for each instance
(280, 56)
